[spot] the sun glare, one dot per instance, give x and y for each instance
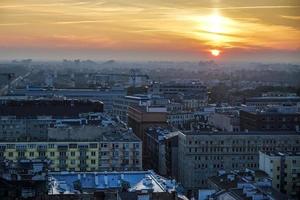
(215, 52)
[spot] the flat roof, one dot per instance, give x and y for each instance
(275, 99)
(241, 133)
(282, 153)
(63, 182)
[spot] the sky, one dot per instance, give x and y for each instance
(256, 30)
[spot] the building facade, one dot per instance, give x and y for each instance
(78, 156)
(270, 120)
(284, 169)
(140, 118)
(162, 148)
(58, 108)
(121, 105)
(203, 154)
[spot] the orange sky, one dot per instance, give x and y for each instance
(152, 29)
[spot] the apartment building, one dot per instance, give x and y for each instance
(284, 169)
(202, 154)
(87, 148)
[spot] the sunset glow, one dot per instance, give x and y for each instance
(215, 52)
(154, 29)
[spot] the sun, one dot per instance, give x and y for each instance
(215, 52)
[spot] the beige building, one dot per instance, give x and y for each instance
(203, 154)
(284, 169)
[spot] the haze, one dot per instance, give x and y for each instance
(153, 30)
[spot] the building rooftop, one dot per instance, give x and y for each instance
(24, 170)
(196, 132)
(162, 133)
(275, 99)
(281, 153)
(92, 133)
(245, 185)
(64, 182)
(272, 110)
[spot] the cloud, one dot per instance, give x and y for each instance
(13, 24)
(82, 21)
(291, 17)
(254, 7)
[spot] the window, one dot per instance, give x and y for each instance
(10, 154)
(42, 154)
(31, 154)
(93, 145)
(62, 153)
(72, 146)
(104, 145)
(73, 153)
(115, 153)
(21, 154)
(62, 162)
(93, 161)
(93, 153)
(52, 154)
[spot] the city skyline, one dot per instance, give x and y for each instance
(154, 30)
